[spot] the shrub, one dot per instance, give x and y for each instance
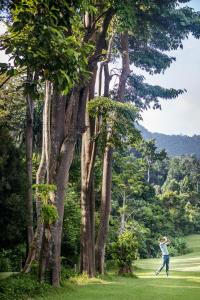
(5, 263)
(125, 251)
(178, 247)
(11, 259)
(21, 287)
(66, 273)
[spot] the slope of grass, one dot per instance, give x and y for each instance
(193, 242)
(182, 284)
(146, 287)
(188, 262)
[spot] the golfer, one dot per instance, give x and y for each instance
(163, 242)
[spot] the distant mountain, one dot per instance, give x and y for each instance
(175, 145)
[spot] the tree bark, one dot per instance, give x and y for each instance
(107, 164)
(122, 225)
(32, 78)
(87, 214)
(125, 270)
(35, 247)
(125, 67)
(88, 155)
(45, 230)
(106, 191)
(66, 123)
(105, 210)
(40, 177)
(29, 153)
(87, 163)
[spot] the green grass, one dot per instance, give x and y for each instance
(182, 284)
(188, 262)
(146, 287)
(5, 274)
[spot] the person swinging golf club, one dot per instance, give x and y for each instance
(163, 242)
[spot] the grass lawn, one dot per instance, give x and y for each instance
(5, 274)
(188, 262)
(147, 287)
(182, 284)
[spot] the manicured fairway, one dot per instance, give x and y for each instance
(146, 287)
(188, 262)
(182, 284)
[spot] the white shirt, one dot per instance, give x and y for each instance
(163, 248)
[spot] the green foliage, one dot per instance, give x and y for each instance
(66, 273)
(126, 15)
(49, 214)
(13, 110)
(144, 95)
(178, 246)
(12, 192)
(117, 119)
(46, 194)
(44, 191)
(183, 171)
(21, 287)
(71, 228)
(149, 214)
(50, 43)
(5, 263)
(125, 249)
(11, 259)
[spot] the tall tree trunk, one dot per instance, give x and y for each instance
(40, 178)
(35, 247)
(29, 153)
(87, 214)
(45, 253)
(105, 210)
(106, 192)
(29, 145)
(32, 238)
(125, 67)
(148, 172)
(107, 164)
(66, 123)
(88, 155)
(122, 225)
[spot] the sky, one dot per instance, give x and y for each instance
(181, 115)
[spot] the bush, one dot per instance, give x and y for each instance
(71, 229)
(67, 273)
(21, 287)
(125, 251)
(5, 263)
(11, 259)
(178, 247)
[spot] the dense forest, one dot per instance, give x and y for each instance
(175, 145)
(80, 189)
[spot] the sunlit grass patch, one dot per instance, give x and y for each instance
(187, 262)
(5, 274)
(84, 279)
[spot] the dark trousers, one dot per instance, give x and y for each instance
(165, 263)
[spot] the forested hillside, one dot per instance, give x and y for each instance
(175, 145)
